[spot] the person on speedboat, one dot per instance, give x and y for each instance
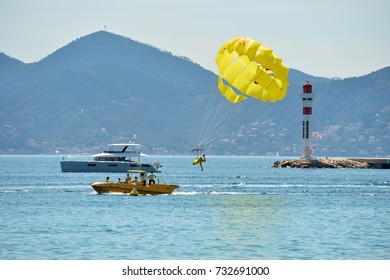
(135, 181)
(143, 179)
(151, 178)
(128, 178)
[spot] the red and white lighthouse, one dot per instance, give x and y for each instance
(307, 101)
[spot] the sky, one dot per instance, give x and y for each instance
(327, 38)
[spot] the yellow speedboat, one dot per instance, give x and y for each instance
(133, 188)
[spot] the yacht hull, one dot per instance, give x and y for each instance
(105, 166)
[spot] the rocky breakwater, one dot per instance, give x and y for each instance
(322, 163)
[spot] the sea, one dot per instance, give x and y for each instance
(237, 208)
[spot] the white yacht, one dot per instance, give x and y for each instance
(118, 158)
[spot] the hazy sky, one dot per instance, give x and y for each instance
(329, 38)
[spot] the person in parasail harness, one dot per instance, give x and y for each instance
(199, 160)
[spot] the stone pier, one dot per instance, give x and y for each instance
(324, 163)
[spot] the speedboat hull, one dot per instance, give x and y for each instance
(127, 188)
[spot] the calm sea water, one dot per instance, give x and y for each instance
(237, 208)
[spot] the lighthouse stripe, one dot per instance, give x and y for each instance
(307, 110)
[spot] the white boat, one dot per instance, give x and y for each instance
(119, 158)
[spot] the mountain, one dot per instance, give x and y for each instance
(104, 88)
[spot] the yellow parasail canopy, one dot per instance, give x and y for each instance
(247, 68)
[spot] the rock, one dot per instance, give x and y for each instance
(322, 163)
